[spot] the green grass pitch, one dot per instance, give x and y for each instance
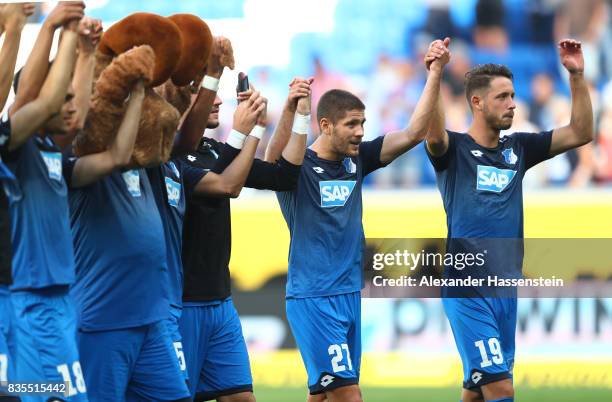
(267, 394)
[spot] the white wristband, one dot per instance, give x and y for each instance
(258, 132)
(301, 123)
(210, 83)
(235, 139)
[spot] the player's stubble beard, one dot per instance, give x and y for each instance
(496, 123)
(342, 146)
(212, 124)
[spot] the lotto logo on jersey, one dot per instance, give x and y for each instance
(174, 192)
(489, 178)
(334, 193)
(53, 160)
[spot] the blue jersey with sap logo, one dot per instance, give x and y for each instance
(482, 193)
(40, 230)
(120, 254)
(323, 214)
(172, 183)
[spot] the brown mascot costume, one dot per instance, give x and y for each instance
(150, 47)
(197, 43)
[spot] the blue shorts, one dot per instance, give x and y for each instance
(7, 338)
(484, 330)
(45, 326)
(177, 340)
(132, 364)
(327, 331)
(215, 350)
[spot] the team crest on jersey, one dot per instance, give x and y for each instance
(53, 160)
(489, 178)
(349, 165)
(173, 189)
(509, 156)
(335, 193)
(132, 181)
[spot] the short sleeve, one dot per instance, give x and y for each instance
(190, 175)
(227, 154)
(369, 153)
(286, 201)
(440, 163)
(536, 147)
(68, 162)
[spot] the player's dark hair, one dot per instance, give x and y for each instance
(334, 104)
(480, 77)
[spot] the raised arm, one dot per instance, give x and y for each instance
(90, 32)
(437, 137)
(298, 88)
(579, 131)
(294, 151)
(35, 70)
(195, 121)
(398, 142)
(12, 20)
(91, 168)
(229, 183)
(52, 96)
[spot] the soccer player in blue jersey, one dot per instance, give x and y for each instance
(175, 182)
(327, 241)
(121, 261)
(13, 17)
(479, 176)
(44, 315)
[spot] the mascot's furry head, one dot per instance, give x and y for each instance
(158, 50)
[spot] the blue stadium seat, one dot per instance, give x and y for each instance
(525, 61)
(207, 9)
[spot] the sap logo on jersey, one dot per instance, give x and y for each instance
(489, 178)
(132, 182)
(53, 160)
(334, 193)
(173, 189)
